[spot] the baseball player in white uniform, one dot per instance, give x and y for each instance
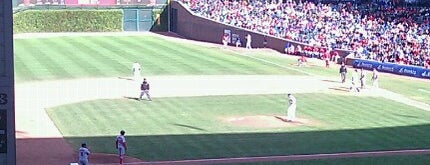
(83, 154)
(375, 78)
(291, 112)
(136, 71)
(248, 41)
(121, 145)
(362, 78)
(354, 81)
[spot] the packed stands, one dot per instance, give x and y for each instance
(372, 31)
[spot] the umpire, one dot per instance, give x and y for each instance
(342, 71)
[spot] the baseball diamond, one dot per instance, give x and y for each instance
(210, 105)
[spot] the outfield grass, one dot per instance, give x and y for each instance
(78, 57)
(108, 56)
(189, 128)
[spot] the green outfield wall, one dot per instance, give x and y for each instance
(90, 19)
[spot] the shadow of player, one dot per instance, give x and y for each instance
(126, 78)
(131, 98)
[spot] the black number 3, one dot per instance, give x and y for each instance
(3, 98)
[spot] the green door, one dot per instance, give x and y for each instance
(137, 20)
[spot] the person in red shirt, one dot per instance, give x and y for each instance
(326, 57)
(301, 61)
(427, 63)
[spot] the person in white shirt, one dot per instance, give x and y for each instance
(83, 154)
(136, 71)
(354, 81)
(248, 41)
(291, 112)
(375, 78)
(363, 78)
(121, 146)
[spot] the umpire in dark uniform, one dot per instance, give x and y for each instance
(144, 90)
(342, 71)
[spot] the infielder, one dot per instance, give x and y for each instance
(144, 90)
(136, 71)
(291, 112)
(121, 146)
(83, 154)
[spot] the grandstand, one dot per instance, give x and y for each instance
(374, 32)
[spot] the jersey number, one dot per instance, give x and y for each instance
(3, 98)
(82, 153)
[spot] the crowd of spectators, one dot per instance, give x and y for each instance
(375, 32)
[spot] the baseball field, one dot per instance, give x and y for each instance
(210, 105)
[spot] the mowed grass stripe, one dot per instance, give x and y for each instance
(251, 66)
(73, 57)
(22, 69)
(116, 54)
(109, 58)
(26, 57)
(100, 60)
(121, 53)
(152, 55)
(173, 56)
(189, 57)
(171, 113)
(76, 57)
(43, 58)
(234, 61)
(207, 57)
(185, 124)
(62, 67)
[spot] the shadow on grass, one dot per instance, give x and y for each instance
(190, 127)
(407, 116)
(126, 78)
(204, 146)
(131, 98)
(334, 81)
(342, 89)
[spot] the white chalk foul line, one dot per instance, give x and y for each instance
(425, 91)
(270, 62)
(284, 158)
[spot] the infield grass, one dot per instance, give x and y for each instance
(387, 160)
(190, 127)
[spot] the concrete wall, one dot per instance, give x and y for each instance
(198, 28)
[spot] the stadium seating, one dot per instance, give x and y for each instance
(372, 31)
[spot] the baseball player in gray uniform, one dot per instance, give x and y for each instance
(144, 90)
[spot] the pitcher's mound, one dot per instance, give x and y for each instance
(263, 121)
